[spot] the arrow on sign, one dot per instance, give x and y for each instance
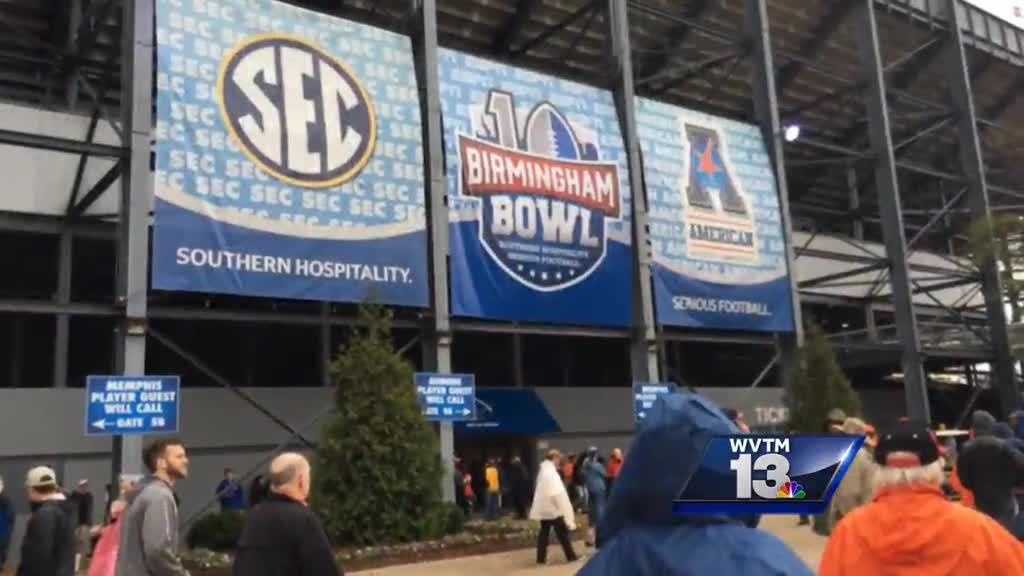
(643, 414)
(101, 424)
(466, 411)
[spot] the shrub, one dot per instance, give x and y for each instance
(818, 385)
(379, 474)
(217, 531)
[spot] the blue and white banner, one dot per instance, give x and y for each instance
(715, 229)
(539, 196)
(288, 156)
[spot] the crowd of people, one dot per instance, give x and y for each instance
(892, 513)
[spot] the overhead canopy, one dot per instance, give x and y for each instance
(512, 412)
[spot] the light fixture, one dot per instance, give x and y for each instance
(792, 132)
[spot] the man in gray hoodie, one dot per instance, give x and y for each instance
(149, 528)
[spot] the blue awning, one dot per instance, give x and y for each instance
(517, 412)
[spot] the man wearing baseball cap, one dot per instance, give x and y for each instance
(910, 527)
(49, 545)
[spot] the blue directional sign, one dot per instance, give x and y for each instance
(645, 394)
(131, 405)
(447, 397)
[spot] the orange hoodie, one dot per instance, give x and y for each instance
(915, 531)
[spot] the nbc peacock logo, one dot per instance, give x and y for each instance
(791, 490)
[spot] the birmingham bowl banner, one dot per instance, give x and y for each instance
(288, 156)
(539, 196)
(719, 257)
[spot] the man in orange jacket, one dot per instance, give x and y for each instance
(910, 528)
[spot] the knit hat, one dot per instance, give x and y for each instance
(982, 423)
(911, 437)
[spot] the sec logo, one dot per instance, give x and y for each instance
(296, 111)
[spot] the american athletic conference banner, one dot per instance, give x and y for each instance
(289, 159)
(539, 196)
(716, 233)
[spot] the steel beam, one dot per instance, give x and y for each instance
(826, 280)
(63, 321)
(766, 110)
(438, 335)
(644, 342)
(811, 46)
(675, 39)
(136, 198)
(97, 190)
(977, 199)
(55, 144)
(509, 33)
(552, 30)
(886, 183)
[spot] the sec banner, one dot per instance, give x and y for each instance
(288, 156)
(539, 196)
(719, 258)
(747, 474)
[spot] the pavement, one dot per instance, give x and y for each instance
(808, 545)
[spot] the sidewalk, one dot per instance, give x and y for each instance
(808, 545)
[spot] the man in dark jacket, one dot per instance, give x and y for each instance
(518, 486)
(990, 468)
(7, 516)
(282, 537)
(49, 545)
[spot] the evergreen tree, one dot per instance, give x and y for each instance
(819, 385)
(379, 472)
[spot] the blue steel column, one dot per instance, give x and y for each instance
(437, 342)
(644, 346)
(887, 185)
(958, 79)
(136, 195)
(766, 110)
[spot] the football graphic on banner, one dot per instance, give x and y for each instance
(539, 198)
(544, 194)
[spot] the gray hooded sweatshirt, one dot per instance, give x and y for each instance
(149, 532)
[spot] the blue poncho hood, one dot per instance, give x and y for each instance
(639, 535)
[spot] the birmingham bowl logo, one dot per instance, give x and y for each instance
(296, 112)
(544, 194)
(719, 220)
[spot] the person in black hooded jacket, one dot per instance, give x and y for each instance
(49, 545)
(990, 467)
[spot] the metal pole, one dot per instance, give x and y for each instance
(437, 344)
(326, 351)
(644, 341)
(63, 326)
(886, 184)
(766, 109)
(518, 377)
(977, 199)
(136, 192)
(858, 220)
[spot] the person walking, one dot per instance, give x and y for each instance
(230, 493)
(518, 486)
(858, 486)
(638, 536)
(104, 557)
(595, 478)
(910, 527)
(7, 516)
(149, 529)
(614, 467)
(82, 501)
(493, 479)
(257, 490)
(989, 467)
(49, 545)
(551, 507)
(282, 536)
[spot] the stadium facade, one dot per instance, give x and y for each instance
(560, 197)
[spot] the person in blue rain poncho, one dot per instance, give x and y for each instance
(639, 535)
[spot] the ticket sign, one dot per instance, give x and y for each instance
(447, 397)
(132, 405)
(645, 394)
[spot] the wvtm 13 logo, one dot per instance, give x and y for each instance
(767, 474)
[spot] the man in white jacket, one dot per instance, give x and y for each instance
(552, 508)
